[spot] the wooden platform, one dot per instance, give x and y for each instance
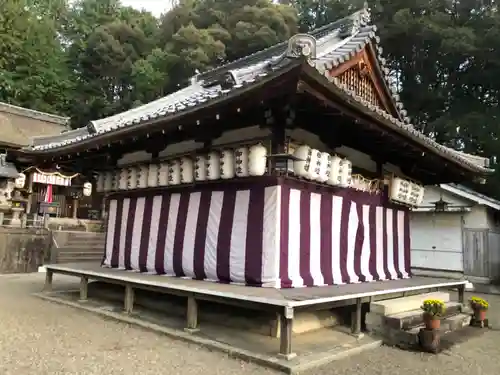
(281, 301)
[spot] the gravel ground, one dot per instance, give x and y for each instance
(38, 337)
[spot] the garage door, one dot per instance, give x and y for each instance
(436, 241)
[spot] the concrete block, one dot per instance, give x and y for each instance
(403, 304)
(456, 322)
(408, 319)
(306, 321)
(374, 322)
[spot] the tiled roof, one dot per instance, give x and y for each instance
(323, 49)
(18, 125)
(471, 194)
(61, 139)
(26, 112)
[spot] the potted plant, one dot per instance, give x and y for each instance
(433, 311)
(479, 307)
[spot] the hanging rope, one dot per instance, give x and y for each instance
(59, 174)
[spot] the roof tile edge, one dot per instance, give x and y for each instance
(26, 112)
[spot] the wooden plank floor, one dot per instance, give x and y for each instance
(279, 297)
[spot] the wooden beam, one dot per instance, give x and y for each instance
(431, 161)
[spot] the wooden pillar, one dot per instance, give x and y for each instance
(103, 207)
(356, 322)
(286, 332)
(84, 288)
(277, 123)
(49, 275)
(30, 194)
(75, 208)
(128, 305)
(192, 315)
(461, 294)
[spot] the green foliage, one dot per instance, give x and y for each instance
(92, 58)
(477, 303)
(434, 307)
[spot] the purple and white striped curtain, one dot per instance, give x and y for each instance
(282, 236)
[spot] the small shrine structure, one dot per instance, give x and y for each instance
(295, 166)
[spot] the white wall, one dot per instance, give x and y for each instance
(436, 241)
(436, 238)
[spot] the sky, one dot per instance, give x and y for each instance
(157, 7)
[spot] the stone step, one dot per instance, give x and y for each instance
(404, 304)
(80, 248)
(79, 257)
(90, 242)
(409, 339)
(410, 319)
(80, 253)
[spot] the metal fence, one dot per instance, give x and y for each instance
(481, 252)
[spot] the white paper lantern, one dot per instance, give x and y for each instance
(153, 175)
(421, 194)
(399, 190)
(257, 160)
(132, 177)
(187, 170)
(324, 165)
(301, 167)
(174, 172)
(142, 176)
(315, 166)
(416, 194)
(87, 189)
(227, 164)
(213, 166)
(20, 181)
(108, 181)
(100, 182)
(200, 168)
(115, 180)
(335, 171)
(346, 173)
(241, 161)
(163, 174)
(123, 182)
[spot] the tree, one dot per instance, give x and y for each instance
(33, 71)
(106, 41)
(205, 33)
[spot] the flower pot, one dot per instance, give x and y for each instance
(479, 315)
(431, 322)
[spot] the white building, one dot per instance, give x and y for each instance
(461, 240)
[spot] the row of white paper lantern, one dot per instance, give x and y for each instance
(406, 192)
(320, 166)
(227, 164)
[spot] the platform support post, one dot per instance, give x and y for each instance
(461, 294)
(84, 288)
(129, 299)
(286, 331)
(49, 276)
(192, 315)
(356, 322)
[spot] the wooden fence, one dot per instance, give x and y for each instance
(481, 251)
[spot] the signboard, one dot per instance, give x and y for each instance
(48, 208)
(51, 179)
